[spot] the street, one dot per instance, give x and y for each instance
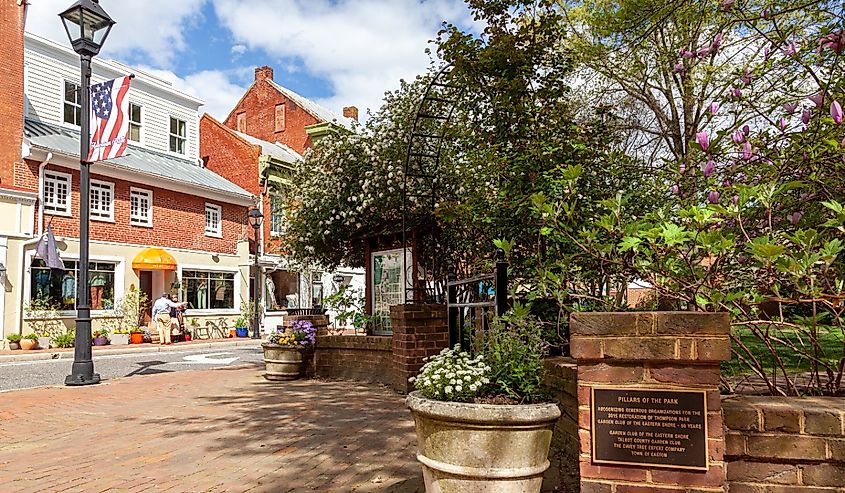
(30, 374)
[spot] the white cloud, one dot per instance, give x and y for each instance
(361, 47)
(239, 49)
(212, 86)
(152, 28)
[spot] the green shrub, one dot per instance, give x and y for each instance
(32, 337)
(13, 338)
(65, 340)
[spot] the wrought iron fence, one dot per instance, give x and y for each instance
(471, 300)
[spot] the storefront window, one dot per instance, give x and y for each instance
(282, 290)
(205, 290)
(58, 289)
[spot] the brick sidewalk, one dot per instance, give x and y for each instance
(207, 431)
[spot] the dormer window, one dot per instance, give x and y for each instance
(178, 135)
(135, 122)
(72, 104)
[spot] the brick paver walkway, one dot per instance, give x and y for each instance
(207, 431)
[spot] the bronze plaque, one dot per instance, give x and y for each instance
(664, 428)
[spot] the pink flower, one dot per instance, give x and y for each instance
(682, 168)
(746, 77)
(728, 4)
(766, 14)
(790, 49)
(735, 199)
(703, 140)
(790, 107)
(782, 123)
(689, 54)
(679, 67)
(746, 130)
(817, 99)
(713, 197)
(714, 108)
(833, 41)
(795, 217)
(709, 168)
(747, 151)
(738, 137)
(717, 42)
(805, 116)
(702, 52)
(736, 92)
(766, 52)
(836, 112)
(675, 189)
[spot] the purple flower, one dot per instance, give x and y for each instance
(746, 77)
(736, 92)
(833, 41)
(747, 151)
(703, 52)
(766, 52)
(688, 54)
(735, 199)
(676, 189)
(714, 108)
(790, 107)
(836, 112)
(746, 130)
(717, 42)
(682, 168)
(782, 123)
(709, 168)
(805, 116)
(766, 14)
(713, 197)
(738, 137)
(795, 217)
(817, 99)
(679, 67)
(703, 139)
(790, 49)
(728, 4)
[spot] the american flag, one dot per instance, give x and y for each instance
(109, 119)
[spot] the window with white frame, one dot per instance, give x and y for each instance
(57, 288)
(72, 104)
(277, 213)
(140, 207)
(213, 219)
(134, 122)
(178, 134)
(56, 193)
(102, 200)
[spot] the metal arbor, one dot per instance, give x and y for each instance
(419, 192)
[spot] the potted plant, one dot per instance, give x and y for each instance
(241, 329)
(65, 340)
(482, 422)
(14, 341)
(100, 337)
(285, 348)
(136, 335)
(186, 334)
(120, 337)
(29, 341)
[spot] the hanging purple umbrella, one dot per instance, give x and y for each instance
(48, 252)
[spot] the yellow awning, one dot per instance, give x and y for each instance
(154, 259)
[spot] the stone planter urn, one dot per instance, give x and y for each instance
(473, 448)
(283, 362)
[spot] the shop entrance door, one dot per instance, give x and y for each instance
(145, 279)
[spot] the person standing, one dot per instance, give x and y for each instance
(161, 316)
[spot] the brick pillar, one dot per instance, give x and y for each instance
(11, 97)
(674, 351)
(418, 331)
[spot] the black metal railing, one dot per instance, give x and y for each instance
(470, 301)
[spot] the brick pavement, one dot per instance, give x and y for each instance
(207, 431)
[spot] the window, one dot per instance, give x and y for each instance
(140, 207)
(280, 118)
(242, 122)
(277, 214)
(58, 289)
(72, 104)
(212, 220)
(205, 290)
(177, 135)
(102, 200)
(134, 122)
(57, 193)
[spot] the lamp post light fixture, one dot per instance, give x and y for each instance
(87, 26)
(255, 218)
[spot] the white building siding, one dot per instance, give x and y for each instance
(48, 66)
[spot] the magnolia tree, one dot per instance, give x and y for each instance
(751, 219)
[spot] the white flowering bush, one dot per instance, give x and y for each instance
(453, 375)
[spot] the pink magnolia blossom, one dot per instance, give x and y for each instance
(682, 168)
(728, 4)
(703, 139)
(790, 49)
(746, 130)
(703, 52)
(817, 99)
(746, 77)
(676, 189)
(709, 168)
(836, 112)
(688, 54)
(713, 197)
(782, 123)
(805, 116)
(795, 217)
(738, 137)
(747, 151)
(766, 52)
(679, 67)
(833, 41)
(714, 108)
(735, 199)
(717, 42)
(790, 107)
(736, 92)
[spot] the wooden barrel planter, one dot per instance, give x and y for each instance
(282, 362)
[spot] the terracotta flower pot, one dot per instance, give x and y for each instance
(282, 362)
(482, 447)
(136, 338)
(28, 344)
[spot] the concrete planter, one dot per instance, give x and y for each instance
(44, 343)
(282, 362)
(119, 339)
(474, 448)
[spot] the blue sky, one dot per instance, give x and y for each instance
(336, 52)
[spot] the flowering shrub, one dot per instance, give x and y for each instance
(453, 375)
(300, 334)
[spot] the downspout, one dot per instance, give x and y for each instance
(41, 168)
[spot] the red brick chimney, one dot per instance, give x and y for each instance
(351, 112)
(263, 73)
(12, 13)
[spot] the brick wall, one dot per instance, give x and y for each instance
(650, 350)
(785, 445)
(365, 358)
(11, 97)
(178, 218)
(259, 107)
(561, 381)
(419, 331)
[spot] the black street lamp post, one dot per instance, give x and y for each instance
(255, 218)
(87, 26)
